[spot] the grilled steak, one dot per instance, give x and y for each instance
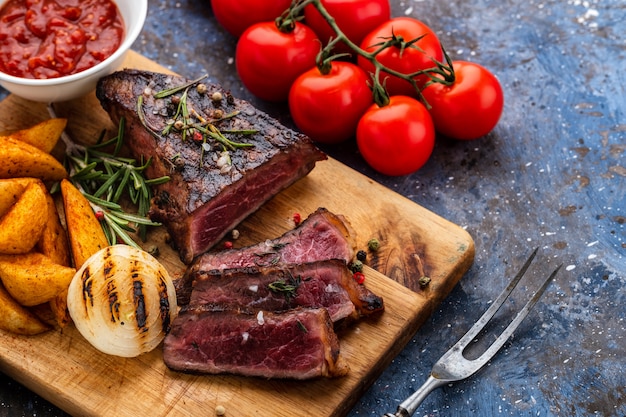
(298, 344)
(225, 158)
(326, 284)
(321, 236)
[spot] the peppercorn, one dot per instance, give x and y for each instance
(424, 281)
(361, 255)
(201, 88)
(297, 219)
(359, 277)
(197, 136)
(228, 244)
(217, 96)
(356, 266)
(373, 244)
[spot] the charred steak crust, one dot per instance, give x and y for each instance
(207, 195)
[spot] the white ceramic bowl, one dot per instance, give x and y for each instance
(77, 85)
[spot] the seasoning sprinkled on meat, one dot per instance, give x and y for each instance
(224, 157)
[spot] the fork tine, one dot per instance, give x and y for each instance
(495, 306)
(521, 315)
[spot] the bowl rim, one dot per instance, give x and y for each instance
(129, 39)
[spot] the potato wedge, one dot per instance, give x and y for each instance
(86, 237)
(22, 226)
(19, 159)
(18, 319)
(43, 136)
(53, 241)
(33, 278)
(58, 306)
(85, 233)
(10, 191)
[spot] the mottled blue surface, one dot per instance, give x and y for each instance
(552, 175)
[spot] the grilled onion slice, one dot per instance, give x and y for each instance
(122, 300)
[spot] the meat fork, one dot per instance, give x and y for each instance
(453, 365)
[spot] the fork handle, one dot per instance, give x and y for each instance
(408, 406)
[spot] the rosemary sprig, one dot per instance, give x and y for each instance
(105, 179)
(288, 287)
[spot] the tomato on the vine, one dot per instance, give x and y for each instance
(238, 15)
(355, 18)
(470, 107)
(403, 56)
(397, 138)
(328, 106)
(269, 60)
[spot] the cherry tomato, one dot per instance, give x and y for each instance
(355, 18)
(238, 15)
(405, 60)
(398, 138)
(470, 107)
(268, 61)
(327, 107)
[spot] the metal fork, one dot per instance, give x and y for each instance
(453, 365)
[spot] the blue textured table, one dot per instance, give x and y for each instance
(552, 175)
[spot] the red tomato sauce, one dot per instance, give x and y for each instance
(54, 38)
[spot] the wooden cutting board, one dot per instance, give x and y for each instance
(63, 368)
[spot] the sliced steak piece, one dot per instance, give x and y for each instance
(297, 344)
(321, 236)
(225, 159)
(326, 284)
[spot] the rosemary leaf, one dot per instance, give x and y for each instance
(102, 203)
(122, 185)
(117, 231)
(107, 184)
(174, 90)
(156, 181)
(133, 218)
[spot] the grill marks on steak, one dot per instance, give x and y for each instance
(322, 235)
(298, 344)
(203, 200)
(326, 284)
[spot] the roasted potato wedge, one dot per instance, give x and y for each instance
(18, 319)
(10, 191)
(86, 237)
(58, 306)
(43, 136)
(33, 278)
(53, 241)
(22, 226)
(19, 159)
(85, 233)
(54, 244)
